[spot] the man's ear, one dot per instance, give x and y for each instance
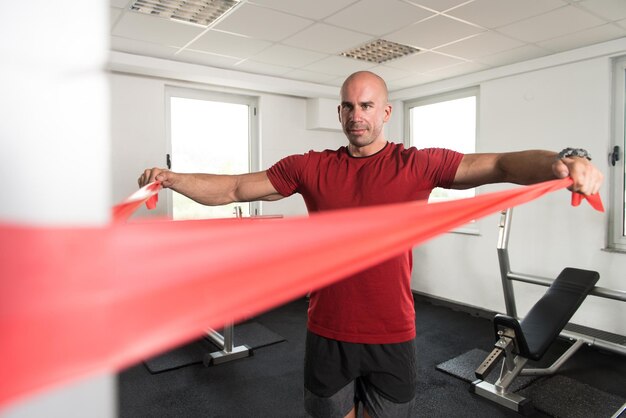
(387, 112)
(339, 113)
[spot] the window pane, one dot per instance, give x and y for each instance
(208, 137)
(446, 124)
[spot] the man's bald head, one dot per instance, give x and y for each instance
(366, 77)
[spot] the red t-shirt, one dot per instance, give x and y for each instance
(374, 306)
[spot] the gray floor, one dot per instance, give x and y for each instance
(269, 384)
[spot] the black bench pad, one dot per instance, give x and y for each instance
(545, 320)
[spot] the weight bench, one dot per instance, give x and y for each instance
(529, 339)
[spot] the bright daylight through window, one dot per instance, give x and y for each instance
(444, 121)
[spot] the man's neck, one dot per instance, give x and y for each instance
(367, 150)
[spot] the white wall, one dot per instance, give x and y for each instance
(283, 132)
(562, 105)
(55, 142)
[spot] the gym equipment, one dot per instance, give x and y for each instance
(604, 340)
(517, 342)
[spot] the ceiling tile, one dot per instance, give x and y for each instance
(114, 14)
(365, 16)
(570, 19)
(154, 29)
(288, 56)
(339, 65)
(423, 62)
(608, 9)
(411, 81)
(522, 53)
(327, 39)
(389, 73)
(485, 43)
(433, 32)
(495, 13)
(309, 76)
(121, 4)
(256, 67)
(273, 37)
(204, 58)
(457, 69)
(262, 23)
(223, 43)
(133, 46)
(338, 81)
(317, 9)
(438, 5)
(584, 38)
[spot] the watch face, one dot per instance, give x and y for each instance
(574, 152)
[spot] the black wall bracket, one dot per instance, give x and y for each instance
(614, 156)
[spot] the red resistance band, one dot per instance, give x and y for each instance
(148, 194)
(81, 301)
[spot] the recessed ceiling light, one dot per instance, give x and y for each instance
(196, 12)
(380, 51)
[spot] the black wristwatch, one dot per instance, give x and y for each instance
(574, 152)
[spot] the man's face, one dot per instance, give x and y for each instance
(363, 110)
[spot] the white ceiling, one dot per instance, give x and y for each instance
(301, 40)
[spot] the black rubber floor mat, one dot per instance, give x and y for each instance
(251, 334)
(561, 396)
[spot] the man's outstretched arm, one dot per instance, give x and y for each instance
(527, 167)
(214, 189)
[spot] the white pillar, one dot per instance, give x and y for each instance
(54, 154)
(54, 160)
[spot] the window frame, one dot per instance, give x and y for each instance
(616, 235)
(254, 146)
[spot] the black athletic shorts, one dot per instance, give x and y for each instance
(391, 369)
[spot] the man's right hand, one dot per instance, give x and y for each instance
(150, 175)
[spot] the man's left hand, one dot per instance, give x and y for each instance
(586, 176)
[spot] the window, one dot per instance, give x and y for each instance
(210, 133)
(617, 224)
(444, 121)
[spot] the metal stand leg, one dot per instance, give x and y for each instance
(225, 343)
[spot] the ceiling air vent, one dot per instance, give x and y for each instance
(196, 12)
(380, 51)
